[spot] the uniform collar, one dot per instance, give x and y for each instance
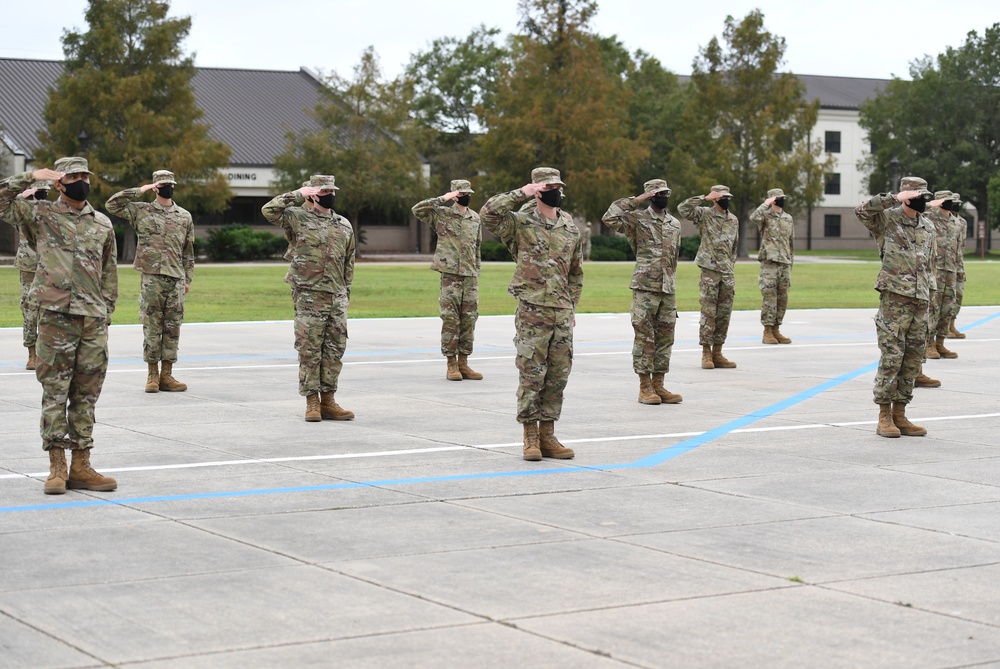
(65, 207)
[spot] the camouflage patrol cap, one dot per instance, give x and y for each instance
(914, 183)
(322, 181)
(546, 175)
(462, 186)
(956, 197)
(722, 189)
(656, 186)
(943, 195)
(72, 165)
(776, 192)
(164, 177)
(42, 185)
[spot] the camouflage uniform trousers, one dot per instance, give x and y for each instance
(717, 291)
(161, 312)
(72, 364)
(459, 303)
(544, 343)
(901, 326)
(775, 279)
(943, 307)
(29, 311)
(654, 317)
(320, 339)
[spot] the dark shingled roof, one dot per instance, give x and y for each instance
(834, 92)
(249, 110)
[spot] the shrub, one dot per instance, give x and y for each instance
(493, 250)
(241, 242)
(689, 247)
(601, 244)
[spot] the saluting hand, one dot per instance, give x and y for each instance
(45, 174)
(770, 200)
(905, 195)
(453, 195)
(310, 192)
(713, 196)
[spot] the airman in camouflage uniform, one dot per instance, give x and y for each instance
(321, 273)
(75, 287)
(165, 256)
(906, 243)
(26, 262)
(943, 298)
(960, 232)
(655, 238)
(547, 282)
(457, 258)
(776, 255)
(716, 257)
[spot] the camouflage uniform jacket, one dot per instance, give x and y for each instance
(165, 234)
(720, 231)
(944, 231)
(549, 254)
(959, 230)
(777, 235)
(77, 271)
(322, 245)
(655, 240)
(459, 236)
(907, 247)
(27, 258)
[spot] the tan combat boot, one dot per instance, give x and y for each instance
(886, 428)
(549, 445)
(906, 428)
(330, 410)
(782, 339)
(466, 371)
(83, 477)
(153, 377)
(942, 351)
(56, 483)
(924, 381)
(532, 450)
(720, 360)
(32, 358)
(168, 382)
(706, 358)
(646, 393)
(953, 332)
(666, 397)
(313, 413)
(453, 373)
(768, 337)
(932, 352)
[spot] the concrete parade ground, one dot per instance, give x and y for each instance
(760, 523)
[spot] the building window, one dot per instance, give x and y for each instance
(833, 141)
(831, 225)
(832, 184)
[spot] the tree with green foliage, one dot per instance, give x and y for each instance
(455, 81)
(557, 104)
(747, 126)
(125, 102)
(367, 139)
(944, 125)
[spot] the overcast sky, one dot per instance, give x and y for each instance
(850, 38)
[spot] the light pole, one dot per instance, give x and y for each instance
(894, 165)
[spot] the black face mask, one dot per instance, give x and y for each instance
(553, 197)
(948, 205)
(464, 200)
(325, 201)
(723, 203)
(917, 204)
(660, 201)
(780, 202)
(166, 192)
(41, 194)
(78, 190)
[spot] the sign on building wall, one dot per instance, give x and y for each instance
(249, 181)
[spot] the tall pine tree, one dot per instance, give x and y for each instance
(125, 102)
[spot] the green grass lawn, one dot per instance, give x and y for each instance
(258, 292)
